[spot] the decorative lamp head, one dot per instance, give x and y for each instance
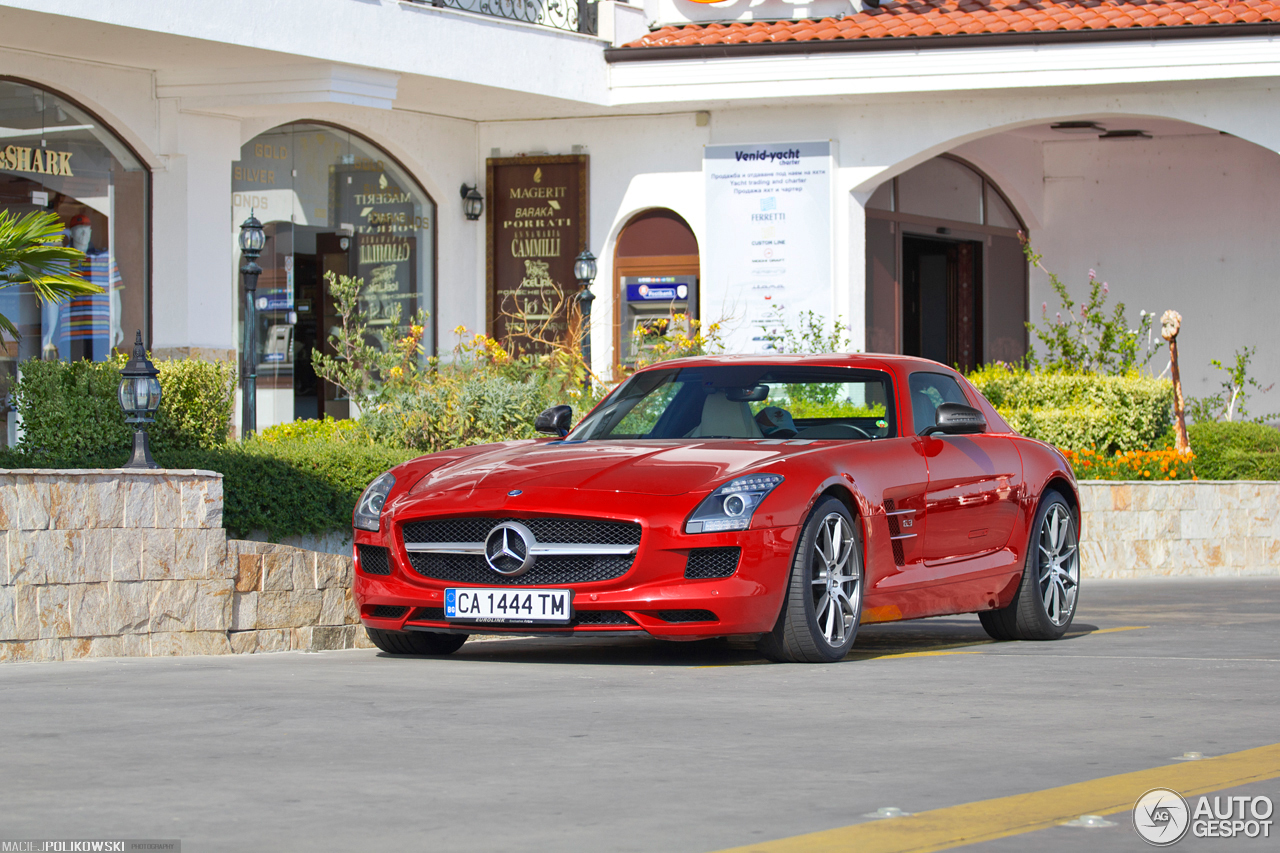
(139, 387)
(252, 237)
(584, 268)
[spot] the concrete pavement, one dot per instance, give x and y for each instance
(634, 745)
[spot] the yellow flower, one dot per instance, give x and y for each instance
(416, 331)
(396, 372)
(459, 330)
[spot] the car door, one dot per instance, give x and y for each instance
(971, 501)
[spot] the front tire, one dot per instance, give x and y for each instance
(415, 642)
(823, 605)
(1045, 603)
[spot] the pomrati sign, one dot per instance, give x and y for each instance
(536, 225)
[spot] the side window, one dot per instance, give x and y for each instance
(928, 391)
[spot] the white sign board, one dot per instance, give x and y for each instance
(769, 238)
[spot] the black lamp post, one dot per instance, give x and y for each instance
(584, 270)
(252, 239)
(140, 398)
(472, 202)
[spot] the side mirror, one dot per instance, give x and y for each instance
(555, 421)
(956, 419)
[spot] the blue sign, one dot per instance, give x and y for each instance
(657, 292)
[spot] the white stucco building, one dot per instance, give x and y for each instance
(1134, 139)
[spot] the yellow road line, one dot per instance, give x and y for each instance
(970, 823)
(1114, 630)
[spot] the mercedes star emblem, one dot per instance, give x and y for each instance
(509, 549)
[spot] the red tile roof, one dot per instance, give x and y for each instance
(929, 18)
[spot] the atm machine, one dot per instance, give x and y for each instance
(651, 304)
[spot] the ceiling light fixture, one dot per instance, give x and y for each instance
(1125, 134)
(1078, 127)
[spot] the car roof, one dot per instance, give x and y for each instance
(882, 361)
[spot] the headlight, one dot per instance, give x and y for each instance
(731, 506)
(369, 510)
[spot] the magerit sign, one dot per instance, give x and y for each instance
(537, 225)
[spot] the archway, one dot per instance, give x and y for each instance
(946, 278)
(330, 201)
(60, 158)
(655, 277)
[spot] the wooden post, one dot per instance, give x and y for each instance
(1170, 325)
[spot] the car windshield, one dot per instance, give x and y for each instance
(745, 401)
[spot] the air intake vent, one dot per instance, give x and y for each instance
(374, 560)
(428, 614)
(687, 615)
(602, 617)
(712, 562)
(386, 611)
(894, 530)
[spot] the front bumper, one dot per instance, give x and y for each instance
(649, 596)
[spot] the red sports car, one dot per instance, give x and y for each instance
(786, 498)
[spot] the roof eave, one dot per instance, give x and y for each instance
(959, 40)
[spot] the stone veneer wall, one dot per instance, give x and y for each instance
(135, 563)
(1187, 528)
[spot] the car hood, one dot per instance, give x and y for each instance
(647, 468)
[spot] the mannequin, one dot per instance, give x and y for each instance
(86, 326)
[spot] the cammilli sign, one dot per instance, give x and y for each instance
(536, 225)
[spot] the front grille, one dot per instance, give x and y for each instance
(472, 569)
(386, 611)
(374, 560)
(582, 617)
(712, 562)
(578, 531)
(687, 616)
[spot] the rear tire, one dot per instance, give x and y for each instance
(1045, 603)
(415, 642)
(823, 605)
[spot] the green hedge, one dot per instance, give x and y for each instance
(1235, 451)
(1078, 411)
(286, 488)
(70, 410)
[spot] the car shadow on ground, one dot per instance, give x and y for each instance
(914, 638)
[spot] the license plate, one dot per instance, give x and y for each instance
(506, 605)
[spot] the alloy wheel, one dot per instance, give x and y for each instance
(836, 579)
(1059, 564)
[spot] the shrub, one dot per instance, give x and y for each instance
(326, 429)
(1235, 451)
(70, 410)
(285, 487)
(1080, 410)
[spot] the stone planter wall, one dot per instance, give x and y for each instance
(135, 563)
(1187, 528)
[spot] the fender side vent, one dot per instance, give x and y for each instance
(894, 530)
(374, 560)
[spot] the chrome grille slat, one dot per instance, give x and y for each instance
(567, 550)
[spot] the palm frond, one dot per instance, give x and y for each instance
(31, 252)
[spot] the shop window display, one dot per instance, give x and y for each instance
(55, 156)
(329, 201)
